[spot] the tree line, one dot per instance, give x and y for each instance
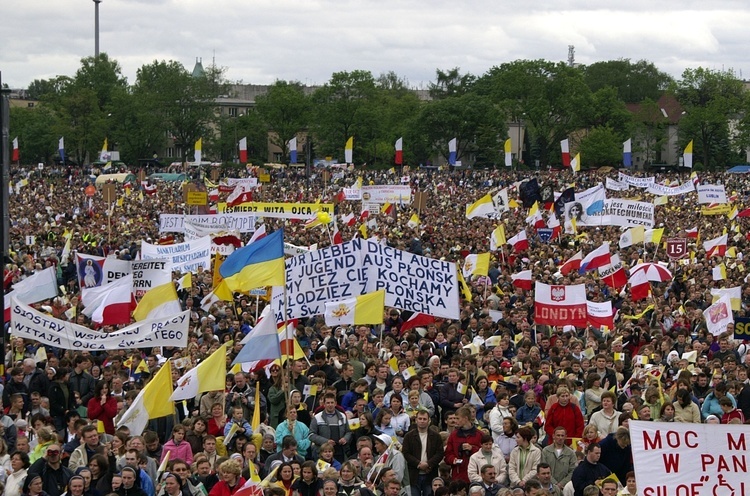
(597, 107)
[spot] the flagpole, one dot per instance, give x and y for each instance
(328, 230)
(284, 372)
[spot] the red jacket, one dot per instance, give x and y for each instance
(221, 488)
(105, 412)
(454, 451)
(568, 416)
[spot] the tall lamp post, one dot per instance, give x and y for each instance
(96, 28)
(5, 164)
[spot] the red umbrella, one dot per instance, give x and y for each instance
(654, 272)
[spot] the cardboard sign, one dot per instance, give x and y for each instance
(199, 198)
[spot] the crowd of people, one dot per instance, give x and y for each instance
(541, 410)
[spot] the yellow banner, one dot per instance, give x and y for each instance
(719, 210)
(301, 211)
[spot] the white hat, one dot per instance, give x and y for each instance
(385, 439)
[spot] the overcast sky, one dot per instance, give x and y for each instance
(260, 41)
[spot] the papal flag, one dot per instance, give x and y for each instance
(413, 221)
(481, 208)
(508, 153)
(362, 310)
(735, 296)
(208, 375)
(476, 265)
(199, 151)
(497, 238)
(158, 302)
(632, 236)
(150, 402)
(687, 156)
(349, 150)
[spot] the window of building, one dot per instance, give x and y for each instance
(232, 111)
(170, 152)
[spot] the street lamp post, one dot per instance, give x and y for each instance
(96, 28)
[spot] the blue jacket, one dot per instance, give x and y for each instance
(524, 415)
(711, 405)
(301, 434)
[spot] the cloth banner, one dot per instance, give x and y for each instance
(96, 271)
(298, 211)
(599, 313)
(711, 193)
(638, 182)
(616, 212)
(245, 182)
(148, 274)
(560, 305)
(185, 257)
(353, 194)
(27, 323)
(662, 190)
(683, 458)
(175, 223)
(616, 185)
(411, 282)
(396, 194)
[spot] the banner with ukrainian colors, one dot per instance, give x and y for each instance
(300, 211)
(27, 323)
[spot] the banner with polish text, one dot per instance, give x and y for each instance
(691, 459)
(175, 223)
(185, 257)
(27, 323)
(638, 182)
(560, 305)
(299, 211)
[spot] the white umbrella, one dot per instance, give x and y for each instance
(654, 272)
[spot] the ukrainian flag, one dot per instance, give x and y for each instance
(256, 265)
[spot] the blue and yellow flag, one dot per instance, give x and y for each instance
(256, 265)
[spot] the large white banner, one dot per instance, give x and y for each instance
(638, 182)
(616, 212)
(411, 282)
(185, 257)
(246, 182)
(691, 459)
(27, 323)
(148, 274)
(96, 271)
(661, 190)
(175, 223)
(353, 194)
(396, 193)
(712, 193)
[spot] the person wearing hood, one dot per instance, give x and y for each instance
(463, 442)
(32, 486)
(131, 485)
(392, 457)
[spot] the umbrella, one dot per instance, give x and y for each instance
(654, 272)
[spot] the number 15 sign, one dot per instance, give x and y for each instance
(676, 248)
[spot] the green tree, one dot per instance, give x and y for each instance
(601, 146)
(36, 131)
(550, 98)
(451, 83)
(285, 110)
(633, 81)
(711, 99)
(340, 110)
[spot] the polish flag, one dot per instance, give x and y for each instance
(613, 274)
(640, 288)
(692, 233)
(565, 147)
(110, 304)
(520, 242)
(213, 195)
(595, 259)
(337, 239)
(16, 152)
(399, 151)
(560, 304)
(348, 219)
(365, 214)
(259, 233)
(243, 150)
(245, 196)
(149, 189)
(574, 263)
(417, 320)
(716, 247)
(522, 280)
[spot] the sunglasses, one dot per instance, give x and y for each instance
(53, 452)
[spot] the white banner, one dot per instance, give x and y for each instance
(661, 190)
(175, 223)
(691, 459)
(246, 182)
(712, 193)
(27, 323)
(96, 271)
(617, 185)
(396, 193)
(186, 257)
(617, 212)
(148, 274)
(412, 282)
(353, 194)
(294, 250)
(638, 182)
(315, 277)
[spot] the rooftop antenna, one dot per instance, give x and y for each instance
(571, 55)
